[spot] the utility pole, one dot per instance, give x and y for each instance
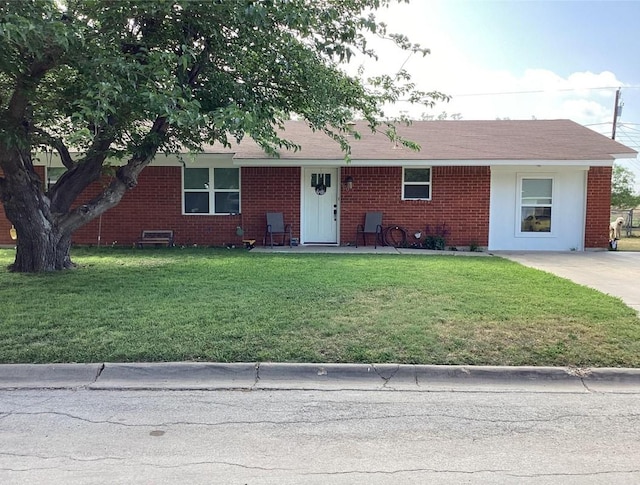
(616, 109)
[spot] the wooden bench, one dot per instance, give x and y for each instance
(156, 238)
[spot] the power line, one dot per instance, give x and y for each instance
(537, 91)
(625, 127)
(630, 140)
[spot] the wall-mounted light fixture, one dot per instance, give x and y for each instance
(348, 182)
(13, 233)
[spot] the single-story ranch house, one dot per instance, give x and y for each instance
(502, 185)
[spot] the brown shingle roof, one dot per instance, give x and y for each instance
(454, 140)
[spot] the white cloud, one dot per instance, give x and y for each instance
(479, 92)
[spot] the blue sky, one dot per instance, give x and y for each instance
(522, 59)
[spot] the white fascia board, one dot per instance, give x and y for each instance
(621, 156)
(553, 163)
(540, 168)
(172, 160)
(160, 160)
(188, 159)
(288, 162)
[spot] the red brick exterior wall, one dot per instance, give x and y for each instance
(156, 203)
(269, 189)
(598, 208)
(459, 199)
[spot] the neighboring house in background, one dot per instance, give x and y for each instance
(502, 185)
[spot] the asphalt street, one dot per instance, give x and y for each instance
(83, 436)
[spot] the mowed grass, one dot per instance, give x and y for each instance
(629, 243)
(222, 305)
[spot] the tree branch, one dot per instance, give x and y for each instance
(126, 178)
(57, 144)
(81, 174)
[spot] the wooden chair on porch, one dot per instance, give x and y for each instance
(372, 225)
(276, 226)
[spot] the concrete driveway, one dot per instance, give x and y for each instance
(613, 272)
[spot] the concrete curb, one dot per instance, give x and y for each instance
(49, 376)
(274, 376)
(176, 375)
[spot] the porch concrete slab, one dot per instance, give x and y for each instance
(176, 375)
(315, 249)
(612, 272)
(446, 252)
(319, 249)
(48, 376)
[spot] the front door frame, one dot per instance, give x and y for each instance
(305, 186)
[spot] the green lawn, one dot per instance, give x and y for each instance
(629, 243)
(225, 305)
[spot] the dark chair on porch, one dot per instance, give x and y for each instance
(277, 227)
(372, 225)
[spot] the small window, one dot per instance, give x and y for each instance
(536, 205)
(211, 190)
(54, 174)
(416, 184)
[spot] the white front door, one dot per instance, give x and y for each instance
(320, 205)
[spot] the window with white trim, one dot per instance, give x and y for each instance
(416, 183)
(536, 204)
(211, 190)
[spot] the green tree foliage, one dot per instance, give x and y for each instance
(623, 195)
(126, 79)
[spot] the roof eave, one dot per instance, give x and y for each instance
(288, 162)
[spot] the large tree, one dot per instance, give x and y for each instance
(623, 194)
(104, 80)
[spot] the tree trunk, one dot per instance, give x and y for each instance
(39, 250)
(42, 245)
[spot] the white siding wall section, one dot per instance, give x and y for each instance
(568, 209)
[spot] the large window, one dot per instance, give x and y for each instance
(536, 204)
(211, 190)
(416, 184)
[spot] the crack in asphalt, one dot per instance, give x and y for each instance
(469, 472)
(506, 472)
(24, 470)
(327, 420)
(577, 474)
(62, 457)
